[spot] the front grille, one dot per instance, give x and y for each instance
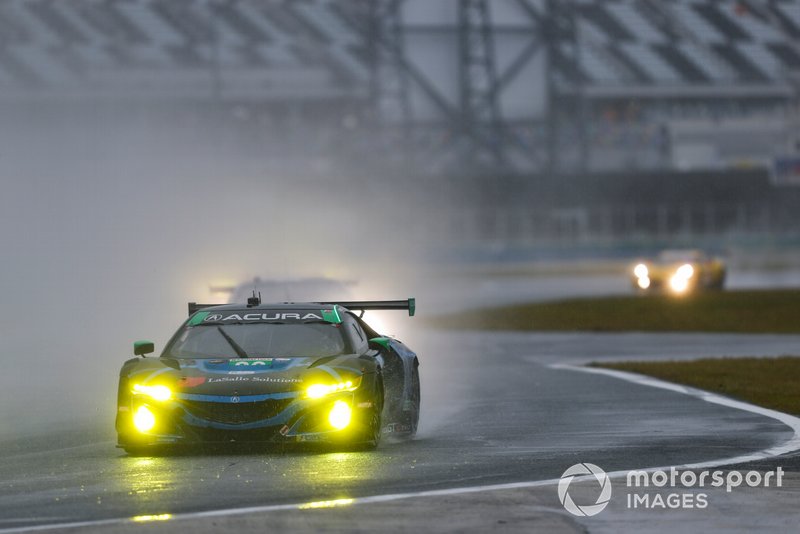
(236, 413)
(253, 435)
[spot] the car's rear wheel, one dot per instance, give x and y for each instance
(719, 283)
(411, 414)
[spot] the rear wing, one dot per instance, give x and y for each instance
(195, 307)
(408, 304)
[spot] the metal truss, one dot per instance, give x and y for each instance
(474, 131)
(389, 79)
(479, 105)
(568, 117)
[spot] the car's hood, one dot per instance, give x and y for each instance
(187, 378)
(668, 268)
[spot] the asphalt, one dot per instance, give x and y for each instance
(493, 412)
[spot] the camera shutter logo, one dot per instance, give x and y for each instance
(586, 509)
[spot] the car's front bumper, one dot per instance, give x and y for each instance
(191, 422)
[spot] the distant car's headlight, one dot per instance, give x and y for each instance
(643, 282)
(159, 393)
(679, 283)
(316, 391)
(641, 271)
(685, 271)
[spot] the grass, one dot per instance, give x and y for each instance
(760, 311)
(768, 382)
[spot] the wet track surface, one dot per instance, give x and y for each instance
(493, 412)
(481, 291)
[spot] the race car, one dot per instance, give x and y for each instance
(310, 372)
(679, 271)
(289, 289)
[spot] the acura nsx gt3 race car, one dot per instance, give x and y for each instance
(271, 373)
(287, 289)
(679, 271)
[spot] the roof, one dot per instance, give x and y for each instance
(264, 313)
(273, 306)
(330, 307)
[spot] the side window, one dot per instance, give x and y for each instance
(368, 331)
(357, 330)
(356, 333)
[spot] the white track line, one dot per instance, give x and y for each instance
(791, 445)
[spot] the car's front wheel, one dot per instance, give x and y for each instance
(373, 431)
(135, 451)
(373, 421)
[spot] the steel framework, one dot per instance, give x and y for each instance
(389, 80)
(567, 117)
(477, 134)
(479, 106)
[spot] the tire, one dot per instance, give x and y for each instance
(719, 284)
(135, 451)
(411, 416)
(138, 451)
(372, 433)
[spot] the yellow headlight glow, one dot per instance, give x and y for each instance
(143, 419)
(147, 518)
(339, 417)
(317, 391)
(325, 504)
(159, 393)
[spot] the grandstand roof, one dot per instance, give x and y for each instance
(691, 43)
(312, 49)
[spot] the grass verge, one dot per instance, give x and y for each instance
(768, 382)
(762, 311)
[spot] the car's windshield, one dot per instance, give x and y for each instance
(258, 340)
(675, 256)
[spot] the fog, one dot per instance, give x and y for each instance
(140, 168)
(111, 224)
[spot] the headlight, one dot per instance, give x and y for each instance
(643, 282)
(339, 416)
(685, 271)
(143, 419)
(678, 283)
(316, 391)
(640, 271)
(159, 393)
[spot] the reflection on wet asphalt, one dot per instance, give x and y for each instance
(493, 412)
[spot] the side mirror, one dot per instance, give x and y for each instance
(140, 348)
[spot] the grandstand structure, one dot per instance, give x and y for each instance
(512, 85)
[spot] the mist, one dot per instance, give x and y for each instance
(111, 223)
(174, 149)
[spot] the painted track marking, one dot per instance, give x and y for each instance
(791, 445)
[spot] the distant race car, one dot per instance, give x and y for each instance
(679, 271)
(286, 290)
(271, 373)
